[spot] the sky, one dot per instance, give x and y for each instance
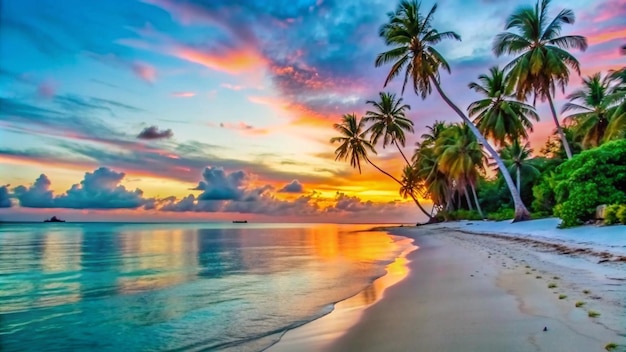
(220, 110)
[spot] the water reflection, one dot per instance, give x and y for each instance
(160, 286)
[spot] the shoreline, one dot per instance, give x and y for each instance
(320, 333)
(468, 289)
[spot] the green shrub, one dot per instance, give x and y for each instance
(621, 214)
(502, 214)
(593, 177)
(610, 214)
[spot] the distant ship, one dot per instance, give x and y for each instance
(54, 219)
(240, 221)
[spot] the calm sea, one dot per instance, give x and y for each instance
(175, 287)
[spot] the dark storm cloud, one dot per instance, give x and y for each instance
(153, 132)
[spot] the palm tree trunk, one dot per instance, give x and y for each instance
(480, 210)
(518, 178)
(568, 151)
(400, 183)
(467, 199)
(521, 213)
(400, 150)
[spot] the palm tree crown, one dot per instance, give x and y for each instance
(354, 142)
(500, 115)
(412, 37)
(543, 60)
(389, 120)
(596, 103)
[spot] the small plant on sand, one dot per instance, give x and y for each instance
(538, 277)
(552, 285)
(593, 314)
(586, 292)
(610, 346)
(579, 304)
(556, 277)
(562, 296)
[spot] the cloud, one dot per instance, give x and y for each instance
(99, 189)
(144, 71)
(294, 187)
(38, 195)
(46, 90)
(153, 132)
(184, 94)
(218, 184)
(5, 201)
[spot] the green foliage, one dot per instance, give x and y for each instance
(502, 214)
(460, 214)
(594, 177)
(610, 214)
(621, 214)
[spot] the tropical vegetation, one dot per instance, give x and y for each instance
(483, 167)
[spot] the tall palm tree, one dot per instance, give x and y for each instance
(436, 184)
(389, 121)
(461, 157)
(617, 125)
(544, 61)
(596, 101)
(500, 115)
(412, 38)
(517, 157)
(355, 145)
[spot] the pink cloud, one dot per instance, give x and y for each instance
(46, 89)
(184, 94)
(144, 71)
(231, 86)
(227, 60)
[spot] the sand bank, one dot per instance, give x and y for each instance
(467, 292)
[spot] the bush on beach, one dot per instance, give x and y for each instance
(591, 178)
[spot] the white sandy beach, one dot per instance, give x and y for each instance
(493, 291)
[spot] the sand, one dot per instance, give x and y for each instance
(467, 292)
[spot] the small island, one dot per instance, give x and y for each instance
(54, 219)
(240, 221)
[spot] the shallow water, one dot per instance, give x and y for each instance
(176, 286)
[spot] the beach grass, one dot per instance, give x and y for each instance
(586, 292)
(552, 285)
(538, 277)
(562, 296)
(579, 304)
(610, 346)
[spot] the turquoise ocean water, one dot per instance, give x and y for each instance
(177, 287)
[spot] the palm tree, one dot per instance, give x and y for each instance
(543, 62)
(617, 125)
(461, 157)
(355, 145)
(516, 156)
(436, 184)
(596, 100)
(389, 121)
(412, 38)
(500, 115)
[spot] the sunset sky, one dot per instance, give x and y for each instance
(164, 110)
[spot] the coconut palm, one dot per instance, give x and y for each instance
(389, 121)
(355, 145)
(517, 157)
(436, 184)
(617, 125)
(500, 115)
(596, 102)
(412, 38)
(461, 158)
(543, 62)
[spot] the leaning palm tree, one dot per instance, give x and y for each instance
(389, 121)
(544, 61)
(412, 38)
(517, 157)
(596, 103)
(500, 115)
(355, 145)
